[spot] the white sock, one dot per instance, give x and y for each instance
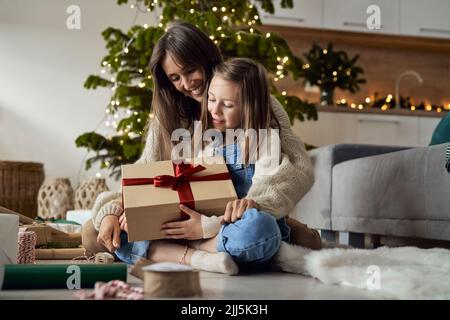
(291, 258)
(220, 262)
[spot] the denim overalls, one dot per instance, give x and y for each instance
(255, 238)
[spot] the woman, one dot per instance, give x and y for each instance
(182, 64)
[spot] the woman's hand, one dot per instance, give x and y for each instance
(123, 223)
(235, 209)
(187, 229)
(109, 233)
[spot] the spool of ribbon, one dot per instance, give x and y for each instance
(27, 243)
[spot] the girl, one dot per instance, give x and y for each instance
(182, 63)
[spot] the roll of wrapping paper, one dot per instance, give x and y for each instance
(58, 254)
(56, 276)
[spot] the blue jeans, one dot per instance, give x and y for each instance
(255, 238)
(131, 252)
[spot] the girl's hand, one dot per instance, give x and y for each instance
(235, 209)
(109, 233)
(187, 229)
(123, 223)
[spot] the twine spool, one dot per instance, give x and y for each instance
(171, 280)
(27, 244)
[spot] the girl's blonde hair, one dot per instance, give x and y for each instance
(253, 95)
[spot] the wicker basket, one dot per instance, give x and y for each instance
(19, 186)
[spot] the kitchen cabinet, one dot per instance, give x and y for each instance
(379, 129)
(425, 18)
(305, 13)
(351, 15)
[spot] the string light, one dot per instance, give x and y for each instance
(325, 51)
(283, 93)
(214, 9)
(223, 9)
(268, 35)
(367, 100)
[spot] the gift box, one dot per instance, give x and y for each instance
(46, 235)
(153, 192)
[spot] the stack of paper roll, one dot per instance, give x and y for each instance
(171, 280)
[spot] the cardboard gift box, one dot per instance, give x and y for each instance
(152, 193)
(46, 235)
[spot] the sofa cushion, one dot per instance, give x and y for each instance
(403, 193)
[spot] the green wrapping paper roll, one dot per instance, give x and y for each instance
(60, 276)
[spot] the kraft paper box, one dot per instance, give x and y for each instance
(147, 206)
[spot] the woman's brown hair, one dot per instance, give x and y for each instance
(189, 46)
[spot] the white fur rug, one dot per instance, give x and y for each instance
(396, 273)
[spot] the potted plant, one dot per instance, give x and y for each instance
(329, 69)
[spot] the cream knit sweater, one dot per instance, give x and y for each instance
(276, 192)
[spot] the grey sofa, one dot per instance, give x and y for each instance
(379, 190)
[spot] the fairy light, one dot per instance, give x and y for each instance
(256, 17)
(191, 11)
(275, 79)
(367, 100)
(223, 35)
(139, 120)
(98, 175)
(239, 38)
(232, 10)
(428, 107)
(306, 66)
(283, 93)
(145, 25)
(104, 63)
(334, 73)
(439, 109)
(107, 123)
(360, 106)
(343, 101)
(140, 70)
(216, 42)
(126, 50)
(219, 28)
(384, 107)
(132, 6)
(141, 85)
(135, 113)
(223, 9)
(151, 115)
(413, 108)
(160, 25)
(128, 111)
(107, 111)
(325, 51)
(117, 102)
(116, 116)
(353, 106)
(113, 103)
(214, 9)
(279, 67)
(279, 72)
(225, 18)
(389, 98)
(268, 35)
(103, 71)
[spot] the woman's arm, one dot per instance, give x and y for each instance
(278, 191)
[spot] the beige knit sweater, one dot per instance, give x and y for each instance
(276, 192)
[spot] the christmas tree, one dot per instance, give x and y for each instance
(232, 25)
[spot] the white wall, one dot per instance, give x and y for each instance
(43, 65)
